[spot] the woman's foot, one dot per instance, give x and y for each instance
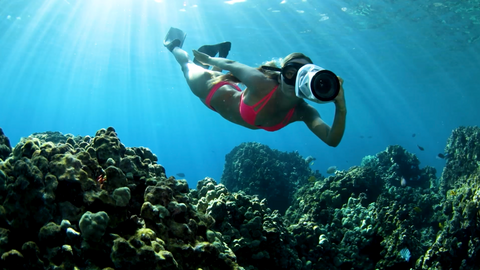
(174, 38)
(221, 48)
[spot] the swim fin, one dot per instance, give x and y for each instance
(221, 48)
(174, 38)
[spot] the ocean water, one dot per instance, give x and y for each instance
(410, 67)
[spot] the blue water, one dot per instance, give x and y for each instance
(78, 66)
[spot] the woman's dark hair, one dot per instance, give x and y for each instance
(268, 73)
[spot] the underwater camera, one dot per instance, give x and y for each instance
(311, 81)
(316, 84)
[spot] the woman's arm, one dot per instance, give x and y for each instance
(338, 126)
(330, 135)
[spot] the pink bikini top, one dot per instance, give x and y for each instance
(249, 113)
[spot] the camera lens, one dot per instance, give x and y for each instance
(325, 85)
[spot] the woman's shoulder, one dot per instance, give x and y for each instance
(302, 105)
(262, 87)
(303, 109)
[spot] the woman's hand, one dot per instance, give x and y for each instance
(201, 57)
(340, 99)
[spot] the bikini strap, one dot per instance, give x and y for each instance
(214, 89)
(288, 116)
(265, 99)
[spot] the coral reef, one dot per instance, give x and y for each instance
(5, 148)
(93, 225)
(360, 217)
(253, 231)
(380, 223)
(457, 243)
(91, 202)
(72, 202)
(258, 170)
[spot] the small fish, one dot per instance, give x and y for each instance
(413, 135)
(312, 179)
(405, 254)
(421, 148)
(442, 156)
(403, 182)
(312, 163)
(309, 159)
(331, 169)
(180, 174)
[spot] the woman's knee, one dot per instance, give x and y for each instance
(196, 73)
(197, 80)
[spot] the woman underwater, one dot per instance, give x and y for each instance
(269, 101)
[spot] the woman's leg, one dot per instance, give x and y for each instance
(196, 76)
